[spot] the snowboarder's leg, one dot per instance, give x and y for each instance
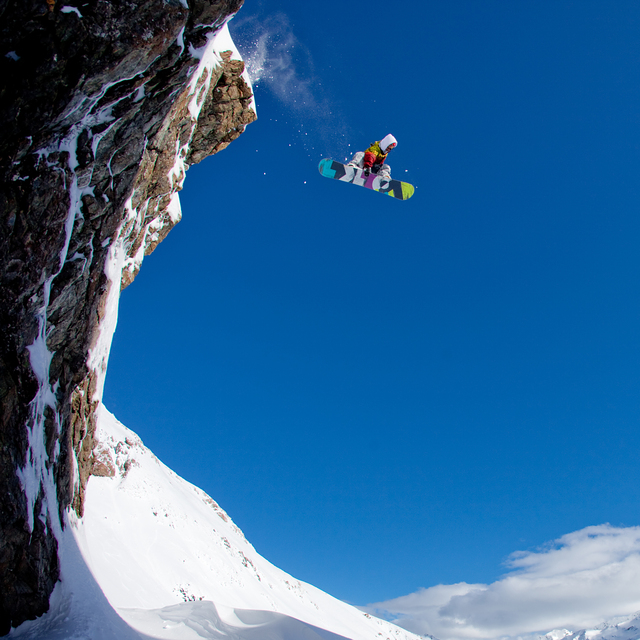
(357, 159)
(385, 172)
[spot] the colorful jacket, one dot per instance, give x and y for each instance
(373, 155)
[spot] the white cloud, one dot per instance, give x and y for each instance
(576, 582)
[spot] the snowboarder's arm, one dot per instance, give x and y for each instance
(369, 159)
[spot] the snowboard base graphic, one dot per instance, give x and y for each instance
(345, 173)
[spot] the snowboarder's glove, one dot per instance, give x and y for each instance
(367, 171)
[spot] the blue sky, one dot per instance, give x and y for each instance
(383, 395)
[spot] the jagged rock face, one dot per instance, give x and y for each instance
(103, 106)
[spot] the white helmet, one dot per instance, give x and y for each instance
(387, 143)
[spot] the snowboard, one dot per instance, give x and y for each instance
(333, 169)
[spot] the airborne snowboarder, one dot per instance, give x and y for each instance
(374, 158)
(369, 169)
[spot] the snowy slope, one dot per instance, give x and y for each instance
(172, 564)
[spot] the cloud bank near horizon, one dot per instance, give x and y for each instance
(575, 582)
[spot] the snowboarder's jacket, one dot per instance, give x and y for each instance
(374, 155)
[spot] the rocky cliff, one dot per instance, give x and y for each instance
(103, 104)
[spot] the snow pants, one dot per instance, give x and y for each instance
(358, 161)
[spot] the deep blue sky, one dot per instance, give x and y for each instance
(384, 395)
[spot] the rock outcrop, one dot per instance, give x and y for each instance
(103, 105)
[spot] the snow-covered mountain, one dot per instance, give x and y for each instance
(626, 628)
(155, 557)
(105, 106)
(110, 103)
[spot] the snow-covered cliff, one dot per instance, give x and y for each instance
(104, 106)
(156, 557)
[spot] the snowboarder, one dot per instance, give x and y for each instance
(373, 159)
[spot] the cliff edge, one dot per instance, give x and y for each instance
(104, 105)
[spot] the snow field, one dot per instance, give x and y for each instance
(163, 551)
